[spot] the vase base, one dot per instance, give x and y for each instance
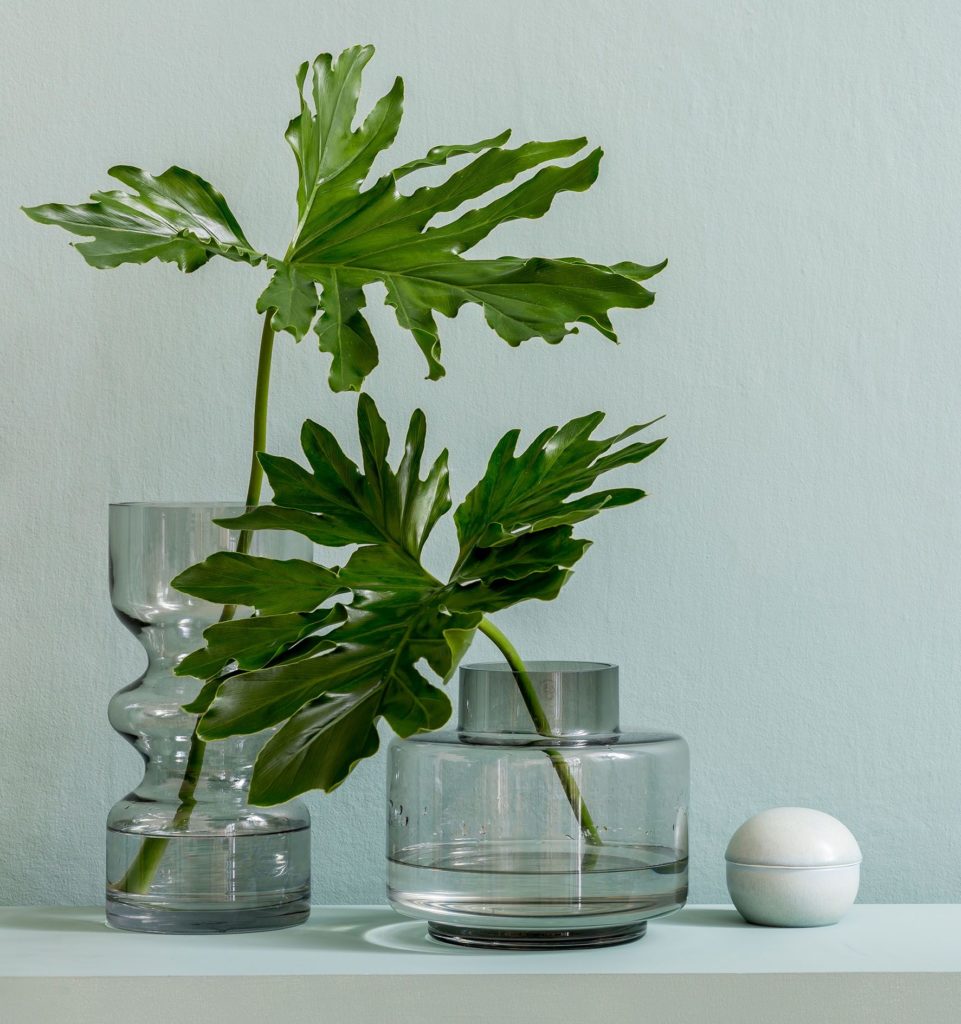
(557, 938)
(132, 917)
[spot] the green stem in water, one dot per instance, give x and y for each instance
(542, 724)
(143, 867)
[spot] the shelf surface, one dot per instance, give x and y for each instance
(74, 942)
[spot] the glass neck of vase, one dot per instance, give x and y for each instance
(578, 698)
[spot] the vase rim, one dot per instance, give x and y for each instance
(182, 504)
(553, 667)
(577, 698)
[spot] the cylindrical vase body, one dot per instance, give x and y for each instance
(498, 835)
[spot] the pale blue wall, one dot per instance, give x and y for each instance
(788, 598)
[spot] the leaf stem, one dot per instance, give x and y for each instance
(143, 867)
(542, 724)
(140, 874)
(260, 411)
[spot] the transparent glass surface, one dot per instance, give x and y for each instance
(214, 863)
(486, 844)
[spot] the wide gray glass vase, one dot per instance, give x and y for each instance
(499, 836)
(186, 852)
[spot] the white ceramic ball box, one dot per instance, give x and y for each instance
(793, 867)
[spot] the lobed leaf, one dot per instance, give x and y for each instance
(331, 673)
(349, 236)
(271, 585)
(529, 492)
(254, 642)
(333, 158)
(318, 747)
(438, 155)
(176, 217)
(273, 517)
(293, 299)
(344, 333)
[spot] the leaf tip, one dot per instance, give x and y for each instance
(180, 579)
(208, 735)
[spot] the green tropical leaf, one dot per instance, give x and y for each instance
(526, 493)
(397, 617)
(252, 643)
(521, 299)
(380, 643)
(384, 567)
(439, 155)
(350, 507)
(333, 158)
(257, 700)
(515, 526)
(497, 592)
(270, 585)
(293, 298)
(319, 746)
(344, 333)
(331, 673)
(273, 517)
(349, 236)
(554, 547)
(176, 217)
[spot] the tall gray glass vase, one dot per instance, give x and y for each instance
(186, 852)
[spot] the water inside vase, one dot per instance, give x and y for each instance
(542, 884)
(249, 880)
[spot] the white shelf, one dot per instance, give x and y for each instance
(899, 963)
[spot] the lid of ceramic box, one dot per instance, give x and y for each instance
(793, 837)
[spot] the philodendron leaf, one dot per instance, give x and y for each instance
(439, 155)
(293, 299)
(349, 236)
(270, 585)
(344, 333)
(332, 157)
(335, 504)
(529, 492)
(326, 675)
(176, 217)
(352, 233)
(254, 642)
(319, 746)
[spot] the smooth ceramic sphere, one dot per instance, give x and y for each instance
(793, 867)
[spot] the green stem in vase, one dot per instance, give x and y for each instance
(542, 724)
(143, 868)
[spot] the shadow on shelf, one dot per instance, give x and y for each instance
(367, 930)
